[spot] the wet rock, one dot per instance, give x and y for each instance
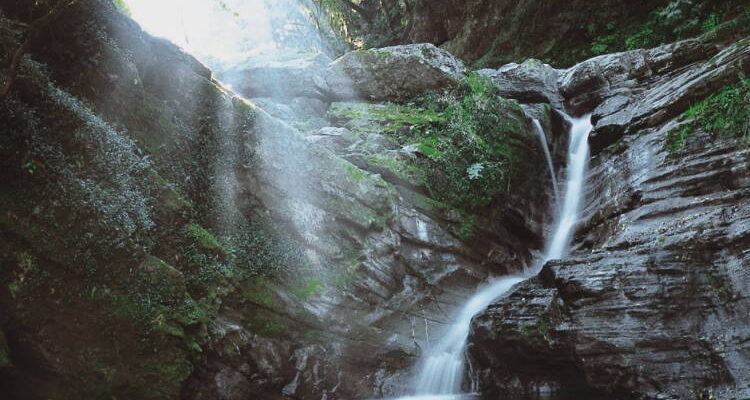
(651, 304)
(529, 82)
(641, 88)
(4, 351)
(232, 385)
(303, 113)
(395, 73)
(294, 75)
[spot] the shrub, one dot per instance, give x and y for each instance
(471, 154)
(725, 113)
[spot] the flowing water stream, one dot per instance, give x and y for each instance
(442, 369)
(547, 156)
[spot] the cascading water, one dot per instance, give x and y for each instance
(547, 156)
(441, 371)
(565, 221)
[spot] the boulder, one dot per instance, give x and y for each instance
(395, 73)
(529, 82)
(293, 75)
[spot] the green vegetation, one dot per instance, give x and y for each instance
(311, 287)
(379, 53)
(203, 238)
(403, 170)
(465, 229)
(262, 319)
(725, 114)
(471, 152)
(361, 214)
(354, 173)
(388, 117)
(122, 6)
(541, 330)
(677, 20)
(466, 139)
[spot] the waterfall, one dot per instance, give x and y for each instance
(568, 215)
(550, 166)
(441, 370)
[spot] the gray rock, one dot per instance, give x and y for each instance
(653, 302)
(632, 90)
(294, 75)
(394, 73)
(529, 82)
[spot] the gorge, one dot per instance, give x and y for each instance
(314, 200)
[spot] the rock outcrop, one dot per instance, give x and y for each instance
(162, 238)
(395, 73)
(653, 301)
(293, 75)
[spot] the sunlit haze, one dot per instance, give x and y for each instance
(208, 28)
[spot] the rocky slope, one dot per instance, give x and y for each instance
(653, 302)
(490, 33)
(163, 238)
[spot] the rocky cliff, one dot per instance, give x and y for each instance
(163, 237)
(490, 33)
(653, 301)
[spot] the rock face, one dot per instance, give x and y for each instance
(162, 238)
(653, 301)
(394, 73)
(490, 33)
(292, 76)
(634, 90)
(530, 82)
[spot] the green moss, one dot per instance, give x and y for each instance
(354, 173)
(383, 118)
(360, 214)
(122, 6)
(618, 147)
(203, 238)
(541, 331)
(409, 172)
(472, 154)
(312, 287)
(260, 291)
(171, 198)
(428, 150)
(379, 53)
(725, 114)
(344, 280)
(426, 203)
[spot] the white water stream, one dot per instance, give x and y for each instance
(547, 156)
(441, 371)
